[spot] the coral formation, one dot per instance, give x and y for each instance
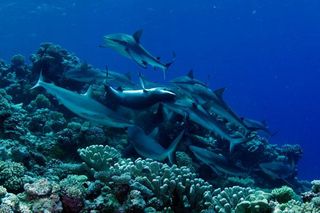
(11, 174)
(53, 161)
(283, 194)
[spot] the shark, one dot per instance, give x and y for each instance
(188, 80)
(91, 75)
(204, 120)
(85, 75)
(130, 47)
(254, 125)
(214, 103)
(217, 162)
(148, 147)
(278, 169)
(84, 106)
(139, 98)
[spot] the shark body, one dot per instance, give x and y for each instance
(140, 98)
(277, 169)
(217, 162)
(213, 102)
(130, 47)
(97, 75)
(148, 147)
(204, 120)
(84, 106)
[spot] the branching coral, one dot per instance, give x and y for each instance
(99, 157)
(240, 200)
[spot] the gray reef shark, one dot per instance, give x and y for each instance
(217, 162)
(213, 102)
(140, 98)
(188, 80)
(91, 75)
(148, 147)
(85, 75)
(278, 169)
(84, 106)
(207, 122)
(130, 46)
(254, 125)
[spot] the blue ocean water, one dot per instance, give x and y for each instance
(266, 53)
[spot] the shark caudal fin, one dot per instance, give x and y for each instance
(39, 81)
(167, 65)
(173, 146)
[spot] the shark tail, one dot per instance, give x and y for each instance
(173, 146)
(167, 65)
(39, 81)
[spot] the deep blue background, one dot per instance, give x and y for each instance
(267, 53)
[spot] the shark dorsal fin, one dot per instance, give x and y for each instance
(142, 82)
(88, 93)
(120, 89)
(194, 105)
(220, 92)
(154, 132)
(190, 74)
(137, 35)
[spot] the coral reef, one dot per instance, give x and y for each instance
(54, 161)
(11, 174)
(283, 194)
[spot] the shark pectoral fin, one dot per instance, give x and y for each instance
(39, 81)
(144, 63)
(138, 60)
(120, 89)
(173, 146)
(88, 93)
(215, 170)
(154, 132)
(142, 84)
(137, 35)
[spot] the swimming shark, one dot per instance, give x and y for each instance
(139, 98)
(85, 75)
(213, 102)
(217, 162)
(148, 147)
(130, 47)
(84, 106)
(91, 75)
(278, 169)
(254, 125)
(188, 80)
(207, 122)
